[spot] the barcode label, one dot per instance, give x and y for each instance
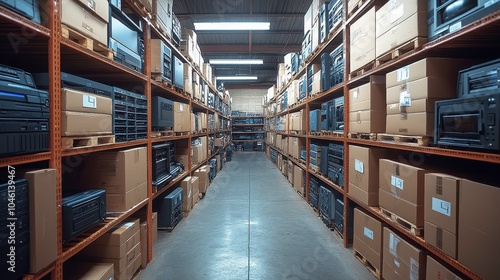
(441, 206)
(404, 99)
(413, 269)
(403, 73)
(359, 166)
(393, 244)
(89, 101)
(368, 233)
(397, 182)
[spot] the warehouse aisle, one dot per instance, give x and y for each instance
(251, 225)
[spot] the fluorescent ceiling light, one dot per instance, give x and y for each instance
(236, 61)
(232, 25)
(237, 78)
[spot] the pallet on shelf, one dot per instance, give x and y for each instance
(163, 133)
(182, 133)
(332, 133)
(86, 141)
(158, 24)
(361, 135)
(144, 11)
(395, 53)
(86, 42)
(415, 230)
(406, 139)
(297, 132)
(374, 271)
(362, 70)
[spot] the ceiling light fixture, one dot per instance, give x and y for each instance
(232, 25)
(227, 78)
(236, 61)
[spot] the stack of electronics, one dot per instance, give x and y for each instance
(81, 211)
(161, 60)
(327, 206)
(332, 115)
(170, 209)
(14, 223)
(259, 146)
(335, 13)
(176, 31)
(306, 45)
(314, 193)
(274, 155)
(249, 146)
(314, 155)
(211, 100)
(284, 101)
(336, 163)
(324, 160)
(303, 87)
(332, 68)
(339, 218)
(162, 113)
(310, 78)
(125, 37)
(130, 115)
(239, 121)
(449, 16)
(303, 155)
(213, 169)
(24, 115)
(473, 119)
(165, 168)
(315, 120)
(27, 8)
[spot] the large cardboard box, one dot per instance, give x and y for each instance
(79, 101)
(182, 117)
(84, 124)
(188, 79)
(479, 229)
(120, 202)
(120, 234)
(116, 171)
(112, 253)
(364, 173)
(144, 244)
(187, 194)
(417, 106)
(162, 12)
(85, 21)
(362, 40)
(195, 188)
(401, 190)
(411, 28)
(417, 124)
(316, 84)
(88, 271)
(369, 96)
(424, 88)
(369, 121)
(401, 259)
(351, 5)
(290, 172)
(436, 271)
(43, 218)
(368, 237)
(441, 212)
(298, 179)
(202, 174)
(99, 7)
(396, 11)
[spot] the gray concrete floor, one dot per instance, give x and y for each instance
(251, 224)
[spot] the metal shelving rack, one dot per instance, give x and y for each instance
(24, 42)
(477, 39)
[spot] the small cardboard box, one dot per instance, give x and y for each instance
(121, 202)
(80, 18)
(182, 117)
(89, 271)
(368, 237)
(401, 259)
(187, 194)
(85, 124)
(369, 96)
(415, 124)
(362, 40)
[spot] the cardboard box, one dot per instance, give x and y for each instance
(182, 117)
(88, 271)
(144, 244)
(479, 229)
(120, 234)
(424, 88)
(99, 7)
(369, 96)
(120, 202)
(187, 194)
(362, 40)
(202, 174)
(368, 238)
(403, 180)
(411, 28)
(417, 124)
(162, 11)
(43, 218)
(396, 11)
(401, 259)
(113, 253)
(188, 79)
(417, 106)
(411, 212)
(290, 172)
(299, 179)
(131, 269)
(441, 212)
(116, 171)
(436, 271)
(364, 173)
(79, 101)
(87, 22)
(197, 154)
(85, 124)
(316, 84)
(154, 224)
(351, 5)
(368, 121)
(427, 67)
(185, 33)
(195, 188)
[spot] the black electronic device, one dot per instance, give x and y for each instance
(162, 113)
(178, 72)
(16, 75)
(176, 31)
(472, 121)
(314, 193)
(170, 210)
(75, 82)
(213, 169)
(125, 39)
(335, 13)
(27, 8)
(306, 45)
(129, 115)
(310, 78)
(326, 63)
(324, 160)
(446, 17)
(81, 211)
(315, 120)
(338, 116)
(480, 79)
(327, 206)
(324, 29)
(211, 99)
(303, 87)
(336, 163)
(161, 161)
(337, 66)
(295, 63)
(324, 115)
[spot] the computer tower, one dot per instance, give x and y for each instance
(161, 162)
(331, 115)
(178, 73)
(327, 206)
(162, 113)
(324, 115)
(314, 192)
(170, 210)
(324, 29)
(315, 120)
(339, 218)
(325, 71)
(324, 160)
(338, 116)
(161, 59)
(337, 66)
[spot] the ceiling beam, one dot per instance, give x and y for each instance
(255, 48)
(292, 32)
(198, 16)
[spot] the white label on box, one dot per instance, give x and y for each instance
(359, 166)
(403, 73)
(181, 107)
(368, 233)
(396, 263)
(356, 93)
(393, 244)
(456, 26)
(404, 99)
(441, 206)
(413, 269)
(89, 101)
(397, 13)
(397, 182)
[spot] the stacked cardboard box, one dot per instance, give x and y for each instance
(289, 172)
(88, 271)
(85, 114)
(188, 79)
(401, 260)
(121, 246)
(182, 117)
(91, 22)
(122, 174)
(435, 270)
(162, 13)
(364, 173)
(202, 174)
(398, 22)
(362, 44)
(190, 193)
(368, 237)
(298, 120)
(412, 91)
(296, 145)
(299, 180)
(367, 107)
